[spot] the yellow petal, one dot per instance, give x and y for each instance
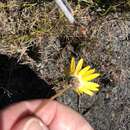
(91, 77)
(72, 66)
(79, 66)
(91, 86)
(93, 89)
(91, 71)
(88, 88)
(89, 92)
(84, 70)
(77, 91)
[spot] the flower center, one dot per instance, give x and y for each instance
(74, 82)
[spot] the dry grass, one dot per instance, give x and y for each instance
(24, 25)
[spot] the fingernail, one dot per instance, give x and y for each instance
(31, 123)
(34, 124)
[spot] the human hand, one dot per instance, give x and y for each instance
(53, 116)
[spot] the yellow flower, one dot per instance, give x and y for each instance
(82, 78)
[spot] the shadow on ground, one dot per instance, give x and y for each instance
(18, 82)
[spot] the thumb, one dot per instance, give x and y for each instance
(30, 123)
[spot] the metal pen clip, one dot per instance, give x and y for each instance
(65, 7)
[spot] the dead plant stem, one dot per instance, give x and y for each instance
(52, 98)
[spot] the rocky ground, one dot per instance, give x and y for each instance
(109, 109)
(34, 60)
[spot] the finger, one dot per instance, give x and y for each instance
(67, 119)
(30, 123)
(15, 112)
(53, 114)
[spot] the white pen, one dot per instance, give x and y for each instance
(64, 6)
